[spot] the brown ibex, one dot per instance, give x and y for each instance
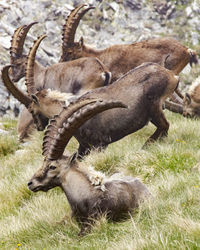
(145, 88)
(121, 58)
(89, 193)
(75, 77)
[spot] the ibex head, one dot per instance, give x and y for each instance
(191, 106)
(70, 49)
(48, 102)
(56, 138)
(50, 174)
(17, 59)
(74, 51)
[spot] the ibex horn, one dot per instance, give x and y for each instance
(18, 94)
(176, 98)
(69, 120)
(174, 107)
(71, 24)
(29, 77)
(18, 39)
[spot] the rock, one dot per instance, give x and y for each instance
(111, 22)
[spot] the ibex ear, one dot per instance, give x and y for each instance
(187, 98)
(35, 99)
(81, 42)
(72, 158)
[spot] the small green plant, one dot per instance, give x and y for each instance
(8, 145)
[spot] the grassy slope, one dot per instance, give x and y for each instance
(169, 168)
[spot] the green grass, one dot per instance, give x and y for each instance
(171, 220)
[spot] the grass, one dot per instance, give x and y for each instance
(171, 220)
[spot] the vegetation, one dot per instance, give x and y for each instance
(170, 220)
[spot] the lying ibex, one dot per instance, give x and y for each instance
(121, 58)
(76, 77)
(89, 193)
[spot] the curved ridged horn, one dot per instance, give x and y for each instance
(29, 77)
(15, 43)
(174, 107)
(18, 94)
(70, 26)
(176, 98)
(68, 122)
(18, 40)
(58, 121)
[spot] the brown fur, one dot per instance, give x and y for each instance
(121, 58)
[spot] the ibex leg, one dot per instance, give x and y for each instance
(159, 120)
(25, 125)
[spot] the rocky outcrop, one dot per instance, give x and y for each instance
(109, 23)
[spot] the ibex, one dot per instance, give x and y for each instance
(89, 193)
(145, 88)
(76, 77)
(121, 58)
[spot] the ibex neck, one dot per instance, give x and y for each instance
(76, 186)
(39, 73)
(88, 51)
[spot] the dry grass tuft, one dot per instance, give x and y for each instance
(170, 220)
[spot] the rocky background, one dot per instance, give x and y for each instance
(111, 22)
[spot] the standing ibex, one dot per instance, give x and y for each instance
(75, 77)
(121, 58)
(89, 193)
(145, 88)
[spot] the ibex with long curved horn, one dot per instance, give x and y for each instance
(121, 58)
(17, 58)
(75, 77)
(144, 90)
(89, 193)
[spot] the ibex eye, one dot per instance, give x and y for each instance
(52, 167)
